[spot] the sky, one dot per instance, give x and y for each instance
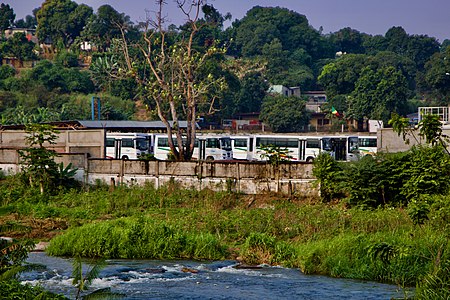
(430, 17)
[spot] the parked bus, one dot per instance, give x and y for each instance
(290, 143)
(127, 145)
(207, 147)
(299, 148)
(367, 145)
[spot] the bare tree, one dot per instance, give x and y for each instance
(175, 82)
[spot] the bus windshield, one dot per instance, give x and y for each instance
(142, 144)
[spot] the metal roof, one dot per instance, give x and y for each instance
(107, 124)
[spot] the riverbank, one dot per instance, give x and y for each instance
(172, 223)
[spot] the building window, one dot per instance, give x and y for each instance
(323, 122)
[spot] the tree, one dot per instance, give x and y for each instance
(174, 80)
(263, 24)
(285, 114)
(7, 17)
(421, 48)
(378, 93)
(19, 47)
(40, 168)
(397, 40)
(374, 44)
(429, 128)
(339, 77)
(61, 20)
(437, 75)
(29, 22)
(105, 26)
(348, 40)
(253, 90)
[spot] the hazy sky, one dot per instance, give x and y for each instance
(430, 17)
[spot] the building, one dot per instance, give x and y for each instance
(442, 111)
(285, 91)
(30, 34)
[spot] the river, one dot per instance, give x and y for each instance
(153, 279)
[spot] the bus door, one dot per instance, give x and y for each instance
(225, 147)
(339, 147)
(353, 148)
(201, 149)
(302, 150)
(117, 148)
(336, 147)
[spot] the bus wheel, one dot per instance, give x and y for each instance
(310, 159)
(209, 158)
(125, 157)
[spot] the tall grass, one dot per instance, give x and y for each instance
(140, 237)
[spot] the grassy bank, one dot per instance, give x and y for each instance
(142, 222)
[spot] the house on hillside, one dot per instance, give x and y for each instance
(284, 90)
(30, 34)
(14, 61)
(319, 121)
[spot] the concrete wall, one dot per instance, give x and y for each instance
(390, 141)
(244, 177)
(90, 141)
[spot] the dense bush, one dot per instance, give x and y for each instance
(388, 179)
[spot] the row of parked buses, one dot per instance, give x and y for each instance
(242, 147)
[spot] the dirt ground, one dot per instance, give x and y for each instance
(31, 228)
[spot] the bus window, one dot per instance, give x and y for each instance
(312, 143)
(212, 143)
(368, 142)
(127, 143)
(240, 143)
(110, 142)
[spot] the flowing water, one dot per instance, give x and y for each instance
(152, 279)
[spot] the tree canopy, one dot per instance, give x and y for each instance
(61, 20)
(285, 114)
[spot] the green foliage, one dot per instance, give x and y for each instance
(364, 182)
(285, 114)
(274, 154)
(13, 289)
(12, 256)
(348, 40)
(252, 92)
(83, 281)
(379, 244)
(328, 175)
(401, 126)
(418, 210)
(435, 285)
(388, 179)
(136, 238)
(262, 25)
(258, 248)
(61, 21)
(430, 128)
(6, 71)
(7, 17)
(379, 93)
(18, 46)
(66, 59)
(39, 167)
(57, 78)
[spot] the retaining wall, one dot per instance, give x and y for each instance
(244, 177)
